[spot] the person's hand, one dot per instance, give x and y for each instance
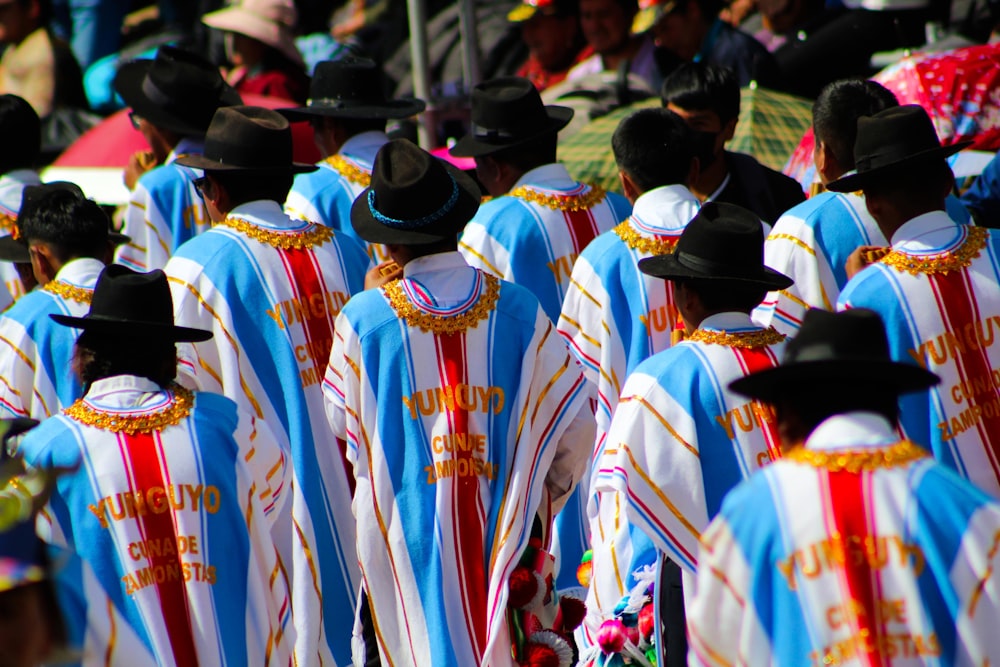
(384, 273)
(862, 257)
(138, 164)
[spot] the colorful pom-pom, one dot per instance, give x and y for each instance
(555, 642)
(539, 655)
(584, 572)
(646, 621)
(611, 636)
(573, 612)
(523, 587)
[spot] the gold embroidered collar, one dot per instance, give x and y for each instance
(351, 172)
(317, 235)
(69, 292)
(428, 323)
(857, 460)
(741, 339)
(657, 245)
(594, 195)
(953, 260)
(178, 409)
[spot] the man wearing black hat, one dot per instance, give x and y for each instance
(348, 110)
(461, 408)
(270, 287)
(936, 289)
(856, 547)
(678, 441)
(20, 134)
(180, 501)
(66, 241)
(173, 98)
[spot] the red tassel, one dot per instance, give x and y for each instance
(523, 587)
(573, 612)
(539, 655)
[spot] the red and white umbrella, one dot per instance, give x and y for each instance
(97, 159)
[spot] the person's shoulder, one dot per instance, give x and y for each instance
(165, 176)
(517, 302)
(685, 359)
(31, 310)
(606, 249)
(497, 207)
(367, 311)
(50, 443)
(812, 211)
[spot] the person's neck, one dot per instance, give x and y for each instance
(625, 52)
(711, 178)
(890, 225)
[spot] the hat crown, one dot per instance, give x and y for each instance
(853, 335)
(281, 12)
(892, 135)
(349, 79)
(506, 108)
(249, 138)
(175, 72)
(724, 239)
(126, 296)
(409, 183)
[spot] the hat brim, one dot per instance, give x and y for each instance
(204, 163)
(373, 231)
(391, 109)
(131, 328)
(128, 84)
(796, 378)
(13, 250)
(237, 19)
(859, 181)
(668, 267)
(471, 146)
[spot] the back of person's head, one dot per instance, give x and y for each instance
(71, 225)
(654, 147)
(100, 356)
(836, 112)
(21, 133)
(244, 186)
(700, 87)
(724, 296)
(525, 157)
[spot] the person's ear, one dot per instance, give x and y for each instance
(42, 263)
(729, 129)
(629, 188)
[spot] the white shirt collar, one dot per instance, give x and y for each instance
(852, 430)
(265, 213)
(81, 272)
(123, 391)
(670, 207)
(925, 231)
(186, 146)
(442, 261)
(554, 176)
(728, 322)
(363, 147)
(445, 276)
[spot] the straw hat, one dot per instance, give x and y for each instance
(269, 21)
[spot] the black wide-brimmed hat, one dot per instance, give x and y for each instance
(508, 112)
(351, 88)
(127, 302)
(14, 247)
(847, 349)
(414, 198)
(177, 90)
(247, 139)
(722, 242)
(893, 138)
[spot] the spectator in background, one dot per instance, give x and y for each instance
(693, 31)
(93, 28)
(20, 134)
(707, 97)
(607, 27)
(551, 31)
(983, 198)
(260, 43)
(37, 65)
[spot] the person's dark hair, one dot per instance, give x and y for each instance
(247, 186)
(72, 225)
(44, 10)
(654, 147)
(526, 157)
(447, 245)
(21, 131)
(353, 126)
(920, 182)
(836, 112)
(801, 413)
(100, 356)
(699, 86)
(724, 296)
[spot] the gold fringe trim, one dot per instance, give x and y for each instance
(317, 236)
(428, 323)
(650, 246)
(352, 173)
(179, 408)
(582, 202)
(8, 223)
(69, 292)
(900, 454)
(744, 339)
(955, 260)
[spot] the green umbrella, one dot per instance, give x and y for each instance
(770, 126)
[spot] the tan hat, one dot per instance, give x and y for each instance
(269, 21)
